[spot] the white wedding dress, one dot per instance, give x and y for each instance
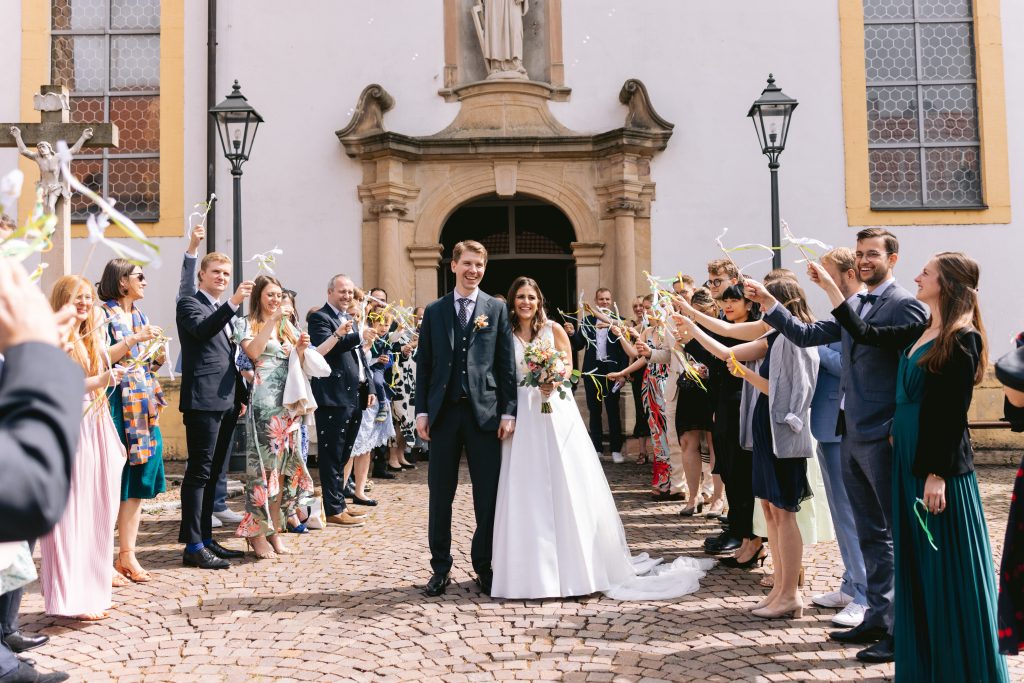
(557, 532)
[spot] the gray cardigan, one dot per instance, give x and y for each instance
(791, 380)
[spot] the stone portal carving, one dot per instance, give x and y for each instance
(499, 28)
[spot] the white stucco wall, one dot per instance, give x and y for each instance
(303, 65)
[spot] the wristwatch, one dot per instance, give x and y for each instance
(335, 335)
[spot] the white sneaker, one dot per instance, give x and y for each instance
(214, 522)
(834, 600)
(851, 616)
(228, 516)
(617, 457)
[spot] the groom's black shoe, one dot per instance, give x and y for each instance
(438, 584)
(483, 581)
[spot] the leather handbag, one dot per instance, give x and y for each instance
(1010, 369)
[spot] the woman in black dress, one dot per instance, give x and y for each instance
(1011, 571)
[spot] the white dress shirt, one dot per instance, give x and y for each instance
(346, 316)
(216, 304)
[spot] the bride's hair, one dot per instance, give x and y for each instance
(539, 317)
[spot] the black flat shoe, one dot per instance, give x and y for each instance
(369, 502)
(483, 582)
(395, 469)
(384, 474)
(203, 559)
(880, 653)
(409, 466)
(224, 553)
(437, 585)
(26, 672)
(860, 635)
(21, 642)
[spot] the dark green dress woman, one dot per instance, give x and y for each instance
(945, 587)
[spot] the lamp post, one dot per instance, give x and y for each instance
(236, 123)
(771, 113)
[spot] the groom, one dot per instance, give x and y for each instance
(465, 399)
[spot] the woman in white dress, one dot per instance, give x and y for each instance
(557, 532)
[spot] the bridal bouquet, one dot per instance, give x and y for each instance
(547, 365)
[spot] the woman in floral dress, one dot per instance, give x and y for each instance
(276, 479)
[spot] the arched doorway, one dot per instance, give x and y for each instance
(522, 237)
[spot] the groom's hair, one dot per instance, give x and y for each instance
(468, 245)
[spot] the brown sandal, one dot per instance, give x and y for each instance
(641, 459)
(129, 573)
(118, 581)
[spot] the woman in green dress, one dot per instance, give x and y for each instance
(135, 404)
(276, 478)
(945, 587)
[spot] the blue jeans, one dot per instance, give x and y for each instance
(854, 575)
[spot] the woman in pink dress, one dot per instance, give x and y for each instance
(75, 574)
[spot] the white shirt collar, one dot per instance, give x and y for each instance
(880, 289)
(472, 297)
(213, 302)
(336, 311)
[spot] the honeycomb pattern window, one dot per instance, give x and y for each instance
(107, 53)
(923, 142)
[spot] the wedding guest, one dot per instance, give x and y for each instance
(402, 380)
(373, 431)
(75, 570)
(340, 397)
(945, 593)
(868, 384)
(652, 392)
(782, 442)
(40, 412)
(135, 403)
(211, 397)
(187, 286)
(722, 274)
(684, 286)
(641, 428)
(602, 355)
(1011, 573)
(276, 479)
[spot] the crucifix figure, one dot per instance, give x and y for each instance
(53, 104)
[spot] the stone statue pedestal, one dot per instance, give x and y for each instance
(505, 108)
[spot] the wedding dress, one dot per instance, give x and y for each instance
(557, 532)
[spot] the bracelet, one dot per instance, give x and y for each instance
(335, 335)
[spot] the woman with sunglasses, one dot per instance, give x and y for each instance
(135, 403)
(945, 589)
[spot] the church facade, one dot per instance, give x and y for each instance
(584, 142)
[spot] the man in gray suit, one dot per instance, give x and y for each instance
(868, 385)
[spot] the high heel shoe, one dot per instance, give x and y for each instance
(136, 576)
(693, 509)
(791, 612)
(260, 554)
(757, 558)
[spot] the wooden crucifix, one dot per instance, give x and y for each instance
(53, 104)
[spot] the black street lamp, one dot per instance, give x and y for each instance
(771, 113)
(236, 122)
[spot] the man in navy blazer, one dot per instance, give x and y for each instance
(868, 384)
(604, 354)
(211, 397)
(341, 397)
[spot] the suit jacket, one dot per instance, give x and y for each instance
(340, 389)
(585, 337)
(825, 406)
(209, 378)
(868, 379)
(40, 413)
(491, 362)
(943, 441)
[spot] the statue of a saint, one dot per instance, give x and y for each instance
(499, 27)
(54, 187)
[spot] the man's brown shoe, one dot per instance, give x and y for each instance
(354, 513)
(345, 519)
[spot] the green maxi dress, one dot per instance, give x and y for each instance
(945, 618)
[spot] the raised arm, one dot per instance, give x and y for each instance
(889, 336)
(748, 331)
(22, 149)
(748, 351)
(77, 147)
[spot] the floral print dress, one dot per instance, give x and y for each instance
(652, 392)
(273, 460)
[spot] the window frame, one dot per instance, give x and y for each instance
(991, 108)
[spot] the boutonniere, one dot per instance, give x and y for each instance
(480, 322)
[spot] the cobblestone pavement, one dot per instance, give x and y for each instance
(350, 608)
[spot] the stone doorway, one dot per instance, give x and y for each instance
(523, 237)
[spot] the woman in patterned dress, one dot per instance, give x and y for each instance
(276, 479)
(135, 403)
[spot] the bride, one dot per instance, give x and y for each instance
(557, 532)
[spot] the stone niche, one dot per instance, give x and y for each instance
(504, 141)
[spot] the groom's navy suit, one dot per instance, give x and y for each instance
(465, 383)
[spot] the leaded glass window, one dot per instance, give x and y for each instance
(107, 53)
(923, 144)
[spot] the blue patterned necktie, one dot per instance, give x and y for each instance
(464, 312)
